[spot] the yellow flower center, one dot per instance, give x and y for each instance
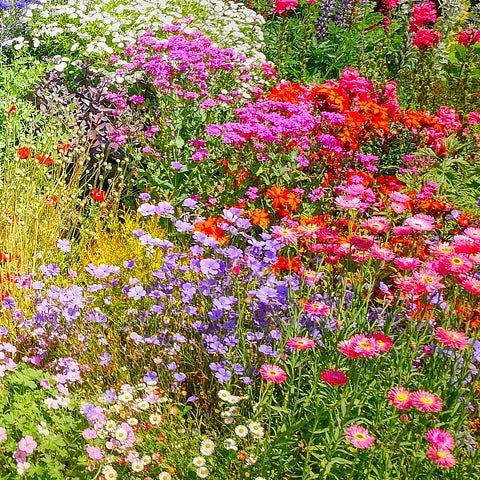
(441, 454)
(360, 436)
(457, 261)
(426, 400)
(401, 397)
(365, 345)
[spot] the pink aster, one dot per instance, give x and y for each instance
(364, 346)
(456, 263)
(273, 373)
(383, 342)
(420, 222)
(442, 457)
(300, 343)
(452, 339)
(316, 308)
(440, 439)
(284, 235)
(334, 377)
(426, 401)
(400, 398)
(359, 437)
(376, 224)
(407, 263)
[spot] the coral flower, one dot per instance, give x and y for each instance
(273, 373)
(24, 153)
(359, 437)
(400, 397)
(452, 339)
(442, 457)
(426, 401)
(300, 343)
(334, 377)
(440, 439)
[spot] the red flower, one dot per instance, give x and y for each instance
(44, 159)
(98, 195)
(334, 377)
(24, 152)
(63, 146)
(12, 110)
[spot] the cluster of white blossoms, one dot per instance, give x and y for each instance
(104, 27)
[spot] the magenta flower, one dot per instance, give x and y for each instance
(426, 401)
(442, 457)
(452, 339)
(359, 437)
(300, 343)
(273, 373)
(440, 439)
(334, 377)
(400, 398)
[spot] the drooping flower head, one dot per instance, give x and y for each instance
(359, 437)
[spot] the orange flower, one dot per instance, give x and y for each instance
(260, 217)
(287, 92)
(24, 153)
(210, 228)
(44, 159)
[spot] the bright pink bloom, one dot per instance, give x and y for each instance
(316, 308)
(440, 439)
(426, 401)
(452, 339)
(281, 6)
(469, 37)
(334, 377)
(470, 283)
(383, 254)
(383, 342)
(359, 437)
(407, 263)
(300, 343)
(284, 235)
(273, 373)
(456, 263)
(426, 38)
(473, 117)
(423, 14)
(376, 224)
(420, 222)
(359, 346)
(442, 457)
(400, 397)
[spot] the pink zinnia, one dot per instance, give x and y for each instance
(334, 377)
(442, 457)
(400, 397)
(426, 401)
(316, 308)
(440, 439)
(420, 222)
(273, 373)
(452, 339)
(300, 343)
(359, 437)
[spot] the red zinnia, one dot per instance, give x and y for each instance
(334, 377)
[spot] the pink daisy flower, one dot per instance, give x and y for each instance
(364, 346)
(383, 254)
(383, 342)
(273, 373)
(300, 343)
(459, 263)
(442, 457)
(376, 224)
(334, 377)
(452, 339)
(420, 222)
(473, 233)
(284, 235)
(407, 263)
(316, 308)
(401, 230)
(400, 397)
(346, 348)
(440, 439)
(470, 283)
(426, 401)
(359, 437)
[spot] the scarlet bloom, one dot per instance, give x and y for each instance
(44, 159)
(98, 195)
(359, 437)
(426, 401)
(334, 377)
(452, 339)
(300, 343)
(273, 373)
(24, 153)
